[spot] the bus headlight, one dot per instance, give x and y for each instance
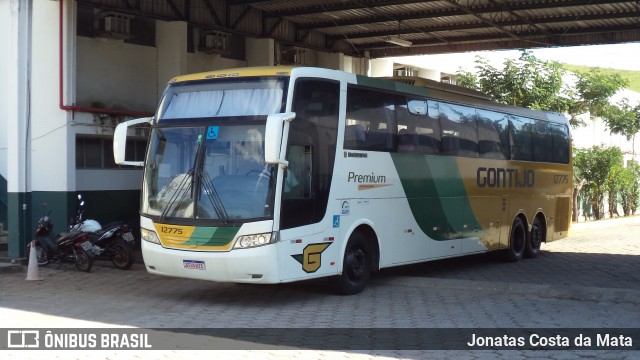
(249, 241)
(149, 235)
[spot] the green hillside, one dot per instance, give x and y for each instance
(632, 76)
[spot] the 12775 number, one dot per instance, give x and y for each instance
(170, 230)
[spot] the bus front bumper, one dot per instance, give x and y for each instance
(253, 265)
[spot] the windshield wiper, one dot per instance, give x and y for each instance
(213, 196)
(180, 193)
(188, 178)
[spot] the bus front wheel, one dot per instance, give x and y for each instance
(356, 266)
(517, 241)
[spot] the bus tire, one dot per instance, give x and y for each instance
(517, 241)
(536, 237)
(356, 266)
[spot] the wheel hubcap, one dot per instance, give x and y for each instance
(358, 264)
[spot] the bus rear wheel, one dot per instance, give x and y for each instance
(356, 266)
(517, 241)
(536, 237)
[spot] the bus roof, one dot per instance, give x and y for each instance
(409, 85)
(237, 72)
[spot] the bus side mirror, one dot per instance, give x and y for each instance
(120, 141)
(275, 131)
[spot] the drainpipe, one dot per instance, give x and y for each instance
(61, 85)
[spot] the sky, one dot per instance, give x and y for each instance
(617, 56)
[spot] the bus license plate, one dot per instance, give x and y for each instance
(194, 264)
(87, 246)
(128, 236)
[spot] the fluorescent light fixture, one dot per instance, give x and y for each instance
(397, 41)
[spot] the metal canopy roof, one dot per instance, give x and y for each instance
(403, 27)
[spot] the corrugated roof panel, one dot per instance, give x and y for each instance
(463, 21)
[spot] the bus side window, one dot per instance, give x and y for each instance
(561, 143)
(542, 142)
(491, 142)
(417, 132)
(521, 129)
(375, 112)
(459, 131)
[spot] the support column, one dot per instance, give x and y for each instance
(331, 60)
(18, 116)
(381, 67)
(429, 74)
(171, 40)
(260, 52)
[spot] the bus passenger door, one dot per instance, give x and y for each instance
(307, 249)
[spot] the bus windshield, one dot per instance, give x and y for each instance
(189, 174)
(205, 157)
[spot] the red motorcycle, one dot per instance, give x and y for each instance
(73, 247)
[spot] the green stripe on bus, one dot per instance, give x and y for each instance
(212, 236)
(436, 194)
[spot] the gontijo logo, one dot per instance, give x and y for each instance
(311, 257)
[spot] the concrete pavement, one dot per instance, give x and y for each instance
(590, 280)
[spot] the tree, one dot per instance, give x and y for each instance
(526, 82)
(623, 119)
(630, 188)
(613, 185)
(539, 85)
(595, 165)
(592, 92)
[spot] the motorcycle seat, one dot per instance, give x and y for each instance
(109, 226)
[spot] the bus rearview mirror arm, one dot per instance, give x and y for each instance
(276, 130)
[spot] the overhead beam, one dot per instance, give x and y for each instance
(480, 25)
(175, 9)
(347, 5)
(507, 43)
(212, 12)
(447, 13)
(532, 40)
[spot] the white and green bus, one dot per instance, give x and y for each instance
(279, 174)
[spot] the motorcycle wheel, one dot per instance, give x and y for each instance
(84, 262)
(122, 255)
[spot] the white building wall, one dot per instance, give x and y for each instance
(113, 74)
(4, 73)
(52, 158)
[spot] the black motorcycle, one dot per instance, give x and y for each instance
(73, 247)
(114, 241)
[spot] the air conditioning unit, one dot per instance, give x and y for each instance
(214, 42)
(112, 25)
